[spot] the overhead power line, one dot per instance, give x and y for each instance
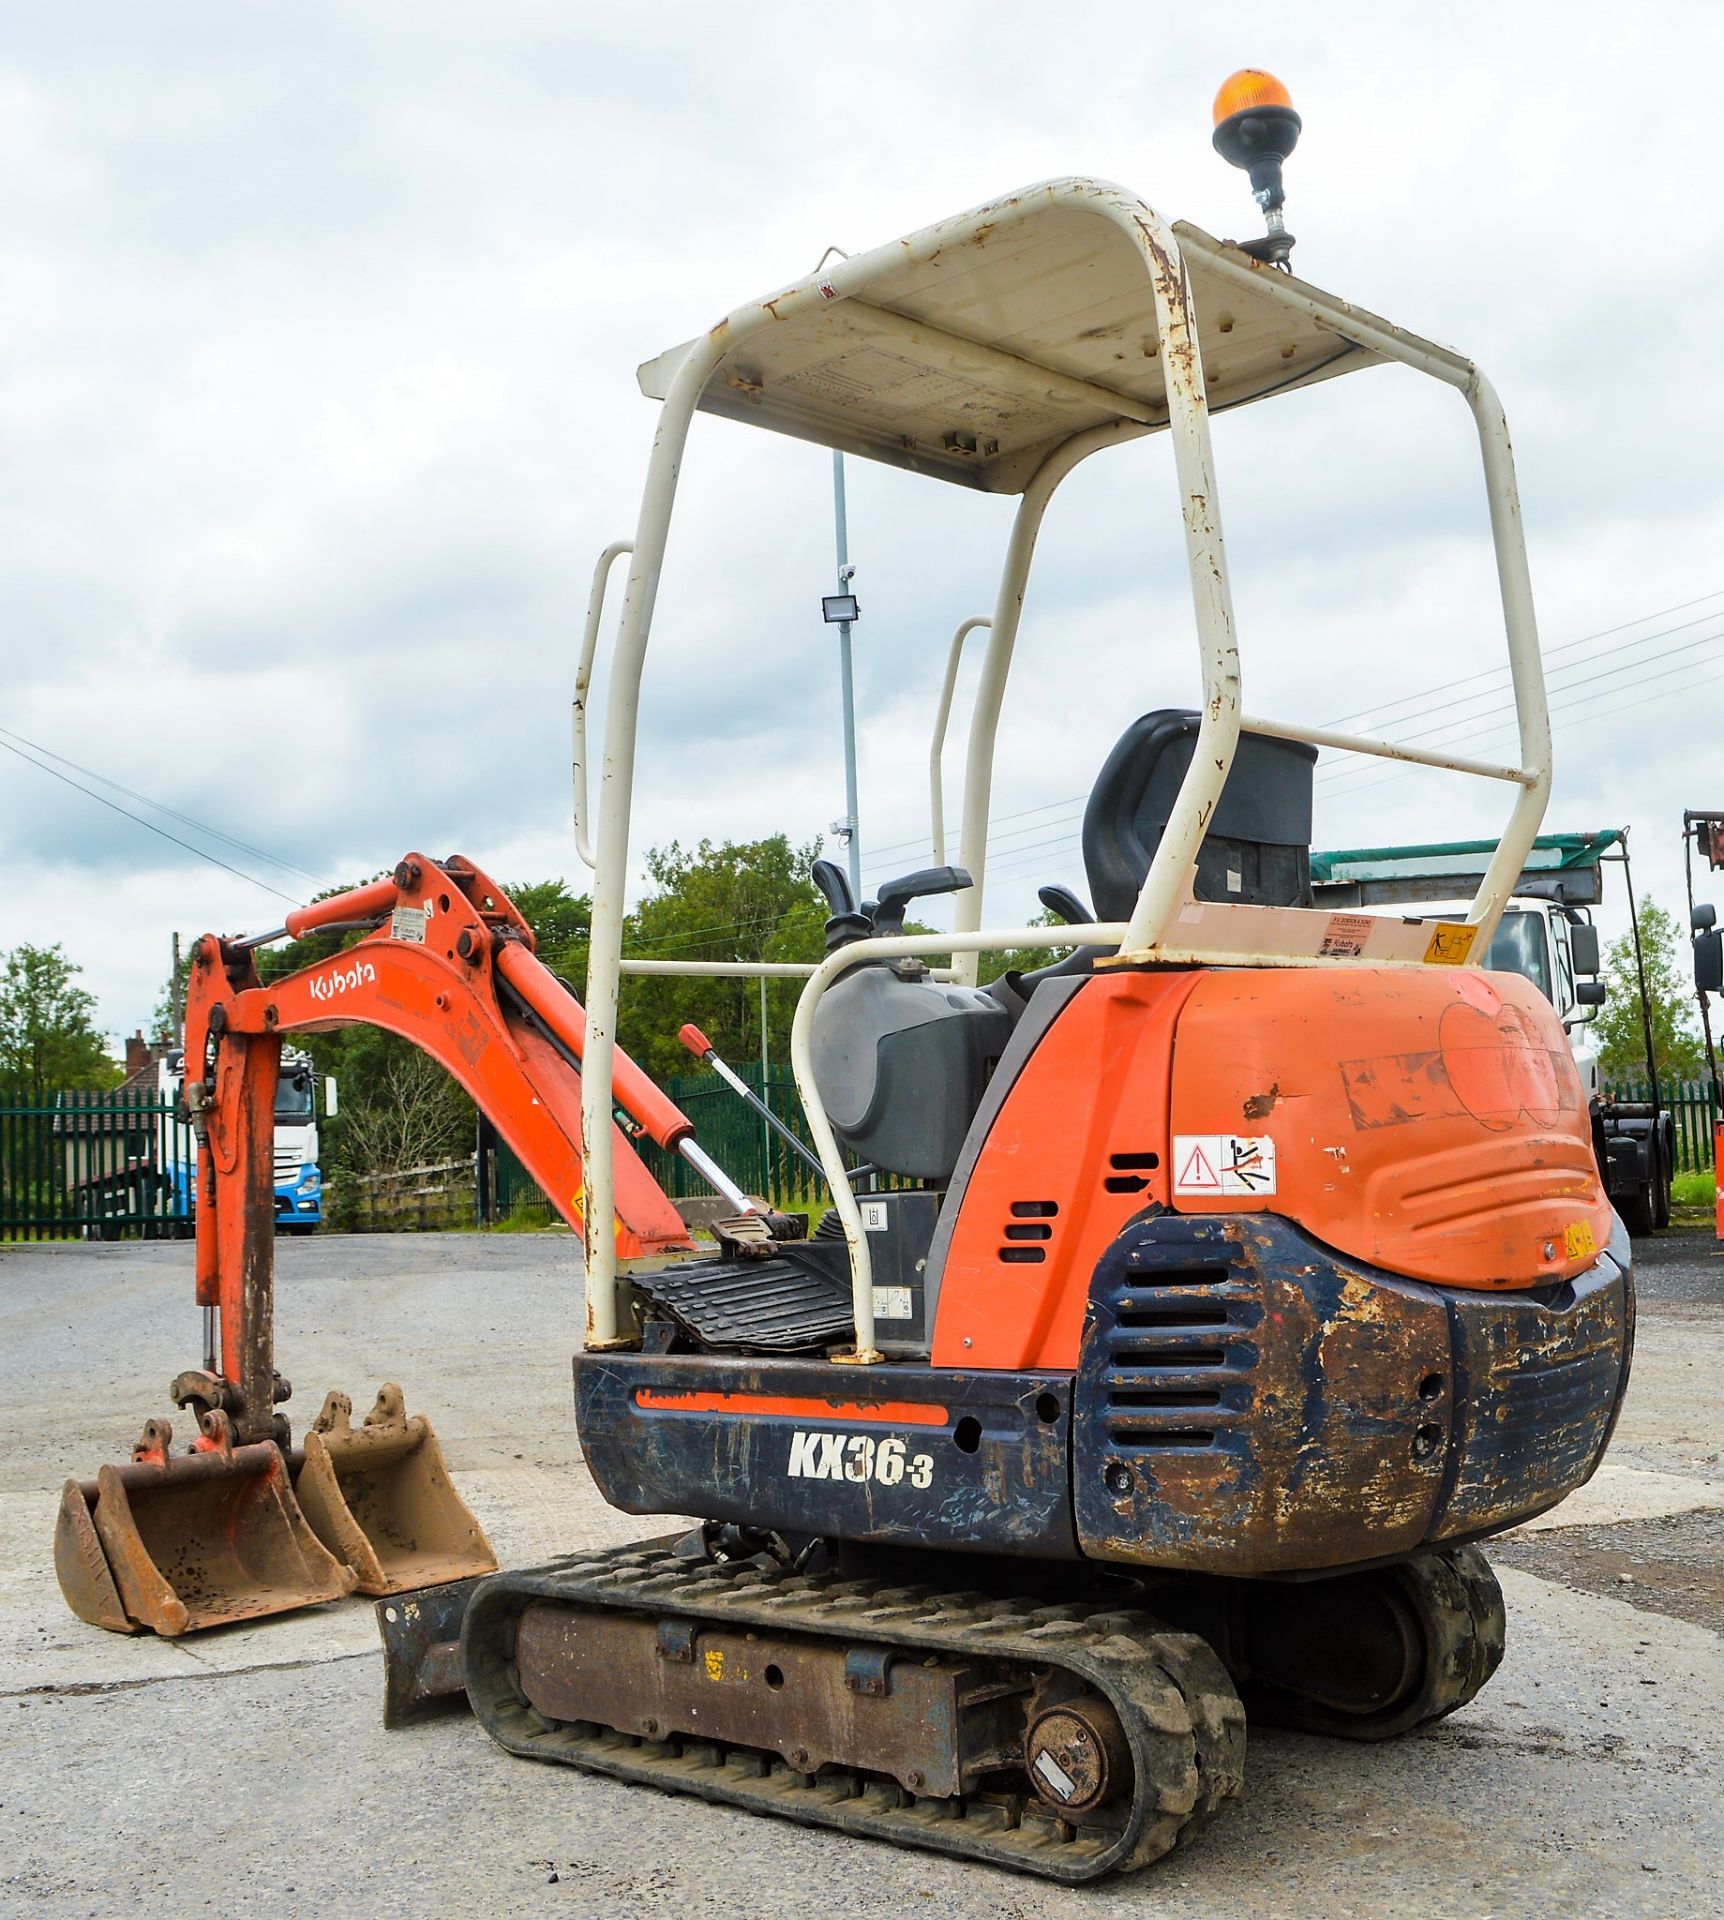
(186, 819)
(1495, 694)
(148, 825)
(1569, 718)
(1548, 653)
(1341, 775)
(1455, 732)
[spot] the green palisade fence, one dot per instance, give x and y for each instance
(736, 1137)
(94, 1166)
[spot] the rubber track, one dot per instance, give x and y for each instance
(1459, 1607)
(1183, 1720)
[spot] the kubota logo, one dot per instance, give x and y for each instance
(343, 980)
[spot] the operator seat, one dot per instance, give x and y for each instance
(1258, 849)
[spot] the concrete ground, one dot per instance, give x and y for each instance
(245, 1772)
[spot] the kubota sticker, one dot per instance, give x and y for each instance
(327, 986)
(1213, 1165)
(1345, 935)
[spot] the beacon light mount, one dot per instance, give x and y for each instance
(1256, 129)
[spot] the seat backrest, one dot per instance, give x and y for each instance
(1258, 848)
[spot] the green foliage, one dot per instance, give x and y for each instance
(47, 1042)
(1696, 1189)
(562, 925)
(1676, 1050)
(1022, 959)
(752, 900)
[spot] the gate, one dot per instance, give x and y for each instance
(96, 1166)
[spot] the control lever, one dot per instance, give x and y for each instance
(834, 883)
(846, 923)
(896, 895)
(1065, 906)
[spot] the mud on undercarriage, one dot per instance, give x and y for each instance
(1066, 1738)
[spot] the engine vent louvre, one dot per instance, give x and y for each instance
(1030, 1222)
(1177, 1336)
(1130, 1172)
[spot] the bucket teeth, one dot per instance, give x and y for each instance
(380, 1498)
(179, 1542)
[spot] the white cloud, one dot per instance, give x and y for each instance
(317, 337)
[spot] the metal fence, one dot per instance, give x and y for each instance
(1693, 1110)
(95, 1166)
(754, 1156)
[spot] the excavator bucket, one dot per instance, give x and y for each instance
(176, 1543)
(380, 1498)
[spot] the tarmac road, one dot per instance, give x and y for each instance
(245, 1772)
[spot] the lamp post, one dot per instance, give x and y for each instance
(839, 609)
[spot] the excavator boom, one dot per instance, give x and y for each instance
(446, 962)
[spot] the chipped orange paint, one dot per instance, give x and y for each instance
(1426, 1121)
(1429, 1122)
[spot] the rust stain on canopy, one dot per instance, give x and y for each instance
(1020, 324)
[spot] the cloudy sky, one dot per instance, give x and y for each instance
(318, 329)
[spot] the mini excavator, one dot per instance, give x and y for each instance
(1242, 1267)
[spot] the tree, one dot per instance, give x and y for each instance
(562, 924)
(47, 1042)
(1022, 959)
(409, 1114)
(1620, 1030)
(749, 900)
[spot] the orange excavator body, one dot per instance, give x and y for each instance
(1428, 1122)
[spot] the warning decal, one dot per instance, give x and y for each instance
(1578, 1241)
(1449, 944)
(1220, 1164)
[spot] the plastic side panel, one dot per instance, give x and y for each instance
(1078, 1148)
(978, 1462)
(1428, 1121)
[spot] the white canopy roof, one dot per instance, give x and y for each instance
(972, 360)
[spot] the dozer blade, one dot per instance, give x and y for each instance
(380, 1498)
(179, 1543)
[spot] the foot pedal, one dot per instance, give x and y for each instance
(770, 1305)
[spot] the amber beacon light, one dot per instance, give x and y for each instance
(1256, 129)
